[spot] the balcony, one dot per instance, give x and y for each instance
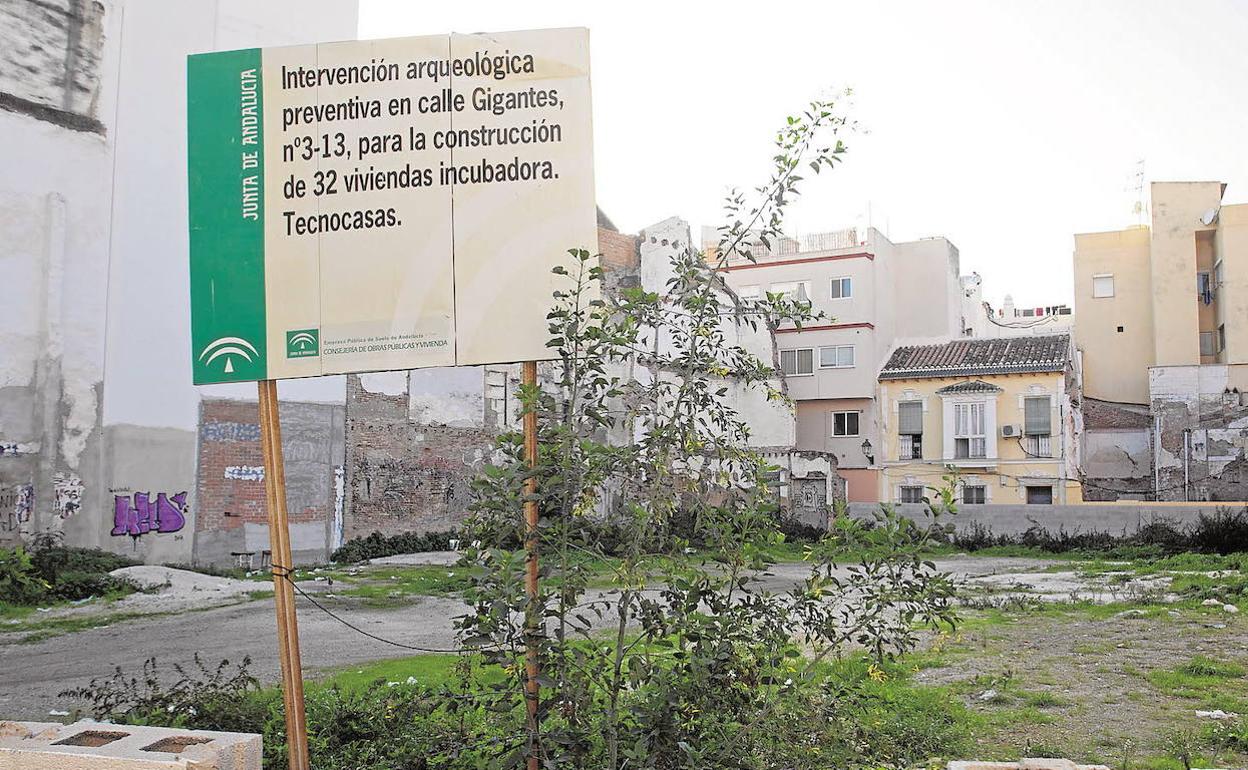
(1038, 446)
(910, 447)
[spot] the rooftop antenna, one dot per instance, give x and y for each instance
(1140, 207)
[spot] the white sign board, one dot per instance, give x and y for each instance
(385, 204)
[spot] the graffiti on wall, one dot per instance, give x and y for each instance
(395, 484)
(231, 431)
(15, 448)
(66, 494)
(16, 504)
(138, 514)
(244, 472)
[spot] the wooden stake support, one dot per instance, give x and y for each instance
(283, 589)
(532, 617)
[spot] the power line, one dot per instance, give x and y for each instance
(286, 572)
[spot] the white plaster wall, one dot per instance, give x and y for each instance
(148, 364)
(772, 423)
(54, 218)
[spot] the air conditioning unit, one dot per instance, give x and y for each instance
(1010, 431)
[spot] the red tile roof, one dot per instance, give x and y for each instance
(964, 358)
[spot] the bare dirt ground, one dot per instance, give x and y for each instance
(1079, 685)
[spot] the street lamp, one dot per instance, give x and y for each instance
(866, 451)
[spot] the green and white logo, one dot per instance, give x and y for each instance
(301, 343)
(226, 348)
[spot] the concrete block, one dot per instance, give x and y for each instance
(1031, 763)
(88, 745)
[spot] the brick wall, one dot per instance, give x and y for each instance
(230, 500)
(405, 476)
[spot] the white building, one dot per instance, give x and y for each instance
(95, 376)
(874, 293)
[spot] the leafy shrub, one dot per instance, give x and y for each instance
(1224, 532)
(403, 727)
(377, 545)
(56, 573)
(20, 582)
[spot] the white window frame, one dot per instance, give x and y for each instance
(853, 354)
(841, 281)
(1099, 292)
(966, 431)
(857, 420)
(796, 373)
(789, 289)
(751, 293)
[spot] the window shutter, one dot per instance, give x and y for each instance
(1037, 413)
(910, 418)
(805, 361)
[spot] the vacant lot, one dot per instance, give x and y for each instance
(1132, 663)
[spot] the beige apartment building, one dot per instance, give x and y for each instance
(1162, 330)
(1175, 293)
(873, 293)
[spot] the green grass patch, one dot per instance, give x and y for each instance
(1199, 678)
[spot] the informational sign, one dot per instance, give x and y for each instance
(385, 204)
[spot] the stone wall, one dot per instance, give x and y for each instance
(407, 469)
(1117, 451)
(1202, 432)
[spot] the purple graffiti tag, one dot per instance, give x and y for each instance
(139, 516)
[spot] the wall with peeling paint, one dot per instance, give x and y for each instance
(1201, 423)
(93, 254)
(59, 65)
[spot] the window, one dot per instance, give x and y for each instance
(974, 494)
(1103, 285)
(845, 423)
(1040, 495)
(794, 290)
(749, 293)
(836, 357)
(797, 363)
(968, 430)
(1037, 416)
(1204, 287)
(1219, 274)
(912, 494)
(1206, 344)
(910, 430)
(1221, 338)
(842, 288)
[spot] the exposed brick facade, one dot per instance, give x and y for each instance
(230, 474)
(405, 476)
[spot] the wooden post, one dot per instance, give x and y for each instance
(283, 590)
(532, 617)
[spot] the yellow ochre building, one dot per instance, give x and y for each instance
(998, 411)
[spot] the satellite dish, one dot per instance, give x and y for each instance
(1209, 217)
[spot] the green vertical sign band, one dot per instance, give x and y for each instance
(225, 153)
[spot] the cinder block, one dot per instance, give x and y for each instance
(1031, 763)
(88, 745)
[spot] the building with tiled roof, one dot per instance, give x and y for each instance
(998, 414)
(973, 357)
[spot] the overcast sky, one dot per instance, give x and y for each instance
(1004, 126)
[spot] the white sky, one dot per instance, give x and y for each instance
(1005, 126)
